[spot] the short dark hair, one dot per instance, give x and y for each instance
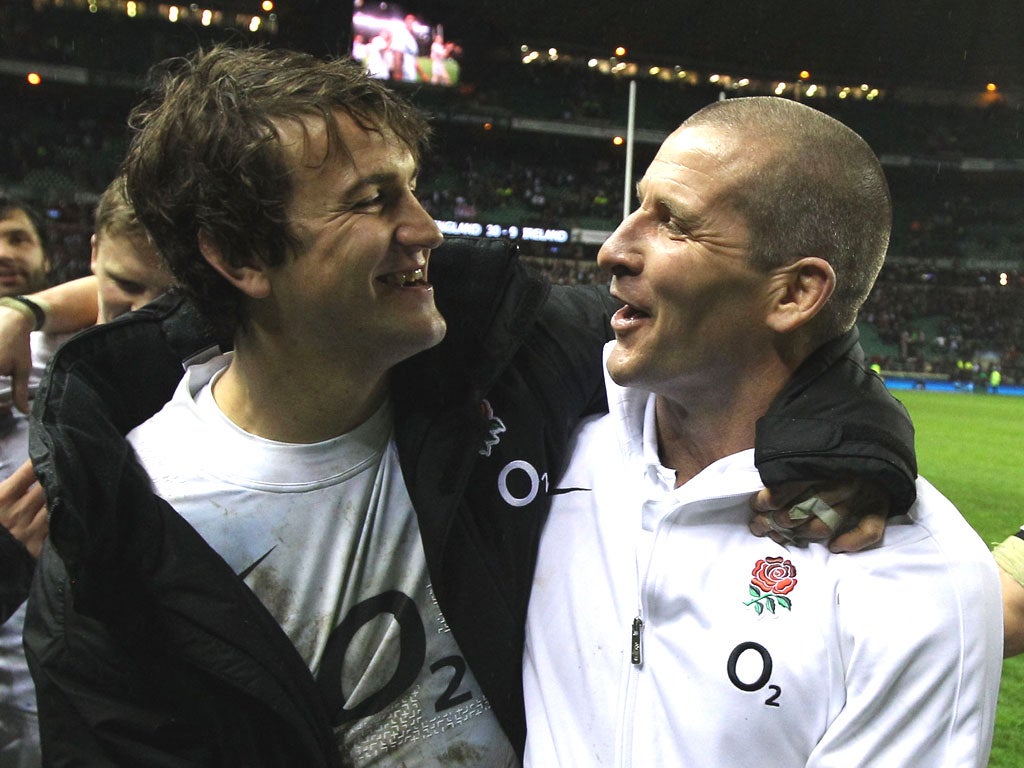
(10, 204)
(816, 189)
(206, 156)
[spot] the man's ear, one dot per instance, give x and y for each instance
(799, 291)
(250, 280)
(92, 253)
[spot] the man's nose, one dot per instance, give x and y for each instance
(621, 251)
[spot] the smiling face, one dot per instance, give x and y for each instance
(23, 263)
(356, 285)
(695, 308)
(129, 273)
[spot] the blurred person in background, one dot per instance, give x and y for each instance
(129, 274)
(129, 271)
(405, 47)
(23, 258)
(23, 268)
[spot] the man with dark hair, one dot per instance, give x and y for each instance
(762, 225)
(315, 549)
(23, 259)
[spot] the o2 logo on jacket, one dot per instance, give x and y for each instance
(519, 483)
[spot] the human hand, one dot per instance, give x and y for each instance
(850, 515)
(1013, 615)
(23, 508)
(16, 354)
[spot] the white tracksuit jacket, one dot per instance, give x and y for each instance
(753, 654)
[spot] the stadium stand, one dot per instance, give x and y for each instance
(530, 146)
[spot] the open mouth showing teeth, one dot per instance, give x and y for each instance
(404, 279)
(629, 312)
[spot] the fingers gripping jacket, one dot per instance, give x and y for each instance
(835, 420)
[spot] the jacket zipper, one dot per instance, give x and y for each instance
(636, 658)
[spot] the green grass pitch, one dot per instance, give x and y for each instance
(969, 447)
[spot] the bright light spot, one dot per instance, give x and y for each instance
(172, 13)
(811, 90)
(254, 24)
(620, 51)
(207, 18)
(592, 63)
(991, 87)
(1004, 279)
(654, 70)
(618, 141)
(34, 78)
(780, 89)
(268, 5)
(131, 9)
(744, 82)
(844, 93)
(714, 78)
(872, 93)
(804, 74)
(864, 87)
(93, 8)
(524, 48)
(488, 126)
(553, 53)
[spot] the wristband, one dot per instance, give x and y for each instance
(814, 506)
(26, 307)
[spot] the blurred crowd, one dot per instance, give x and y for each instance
(938, 300)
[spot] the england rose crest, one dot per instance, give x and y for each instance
(772, 579)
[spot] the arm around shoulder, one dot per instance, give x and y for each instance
(1009, 556)
(70, 306)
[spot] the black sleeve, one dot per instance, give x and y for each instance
(16, 566)
(835, 420)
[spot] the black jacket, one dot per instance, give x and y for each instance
(835, 420)
(148, 650)
(16, 566)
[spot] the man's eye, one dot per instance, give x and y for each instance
(133, 289)
(371, 202)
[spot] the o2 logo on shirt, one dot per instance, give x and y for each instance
(412, 647)
(747, 682)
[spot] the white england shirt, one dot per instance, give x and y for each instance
(661, 632)
(326, 537)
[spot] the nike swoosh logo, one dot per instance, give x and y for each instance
(243, 574)
(560, 491)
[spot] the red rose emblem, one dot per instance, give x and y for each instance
(774, 575)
